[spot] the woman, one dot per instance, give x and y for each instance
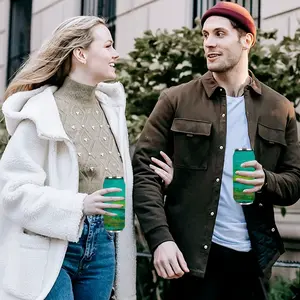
(68, 131)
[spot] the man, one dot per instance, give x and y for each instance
(208, 244)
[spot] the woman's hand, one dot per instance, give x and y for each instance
(165, 169)
(94, 204)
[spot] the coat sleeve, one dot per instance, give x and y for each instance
(283, 186)
(148, 193)
(24, 197)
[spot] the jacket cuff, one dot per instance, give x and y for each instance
(76, 225)
(157, 236)
(270, 182)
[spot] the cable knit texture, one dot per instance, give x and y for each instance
(40, 206)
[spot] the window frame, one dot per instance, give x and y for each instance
(21, 55)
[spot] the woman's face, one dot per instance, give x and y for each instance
(100, 56)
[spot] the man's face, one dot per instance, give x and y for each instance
(222, 44)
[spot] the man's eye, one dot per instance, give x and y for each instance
(220, 34)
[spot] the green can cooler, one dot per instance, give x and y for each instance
(240, 156)
(115, 223)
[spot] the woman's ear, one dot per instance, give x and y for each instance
(80, 55)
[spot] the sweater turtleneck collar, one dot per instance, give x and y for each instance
(75, 90)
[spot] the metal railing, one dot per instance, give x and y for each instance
(287, 264)
(156, 287)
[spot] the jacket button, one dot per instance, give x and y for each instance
(218, 179)
(223, 115)
(205, 247)
(273, 229)
(221, 147)
(212, 213)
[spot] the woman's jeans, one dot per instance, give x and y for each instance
(88, 269)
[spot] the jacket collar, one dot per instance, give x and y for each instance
(40, 107)
(210, 85)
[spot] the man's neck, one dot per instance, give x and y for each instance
(233, 81)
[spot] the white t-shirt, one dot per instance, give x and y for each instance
(230, 229)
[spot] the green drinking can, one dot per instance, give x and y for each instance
(115, 223)
(240, 156)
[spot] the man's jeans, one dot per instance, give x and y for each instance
(229, 274)
(89, 266)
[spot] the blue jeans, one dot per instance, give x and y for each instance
(88, 269)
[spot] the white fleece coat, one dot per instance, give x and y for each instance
(40, 207)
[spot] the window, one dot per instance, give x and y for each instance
(89, 7)
(19, 35)
(107, 9)
(102, 8)
(253, 6)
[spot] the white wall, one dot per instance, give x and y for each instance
(283, 15)
(47, 15)
(136, 16)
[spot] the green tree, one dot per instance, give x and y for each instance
(285, 289)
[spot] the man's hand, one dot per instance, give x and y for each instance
(258, 176)
(169, 262)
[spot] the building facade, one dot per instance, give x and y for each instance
(25, 24)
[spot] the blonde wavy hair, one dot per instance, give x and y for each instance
(53, 61)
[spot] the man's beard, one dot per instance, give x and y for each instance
(225, 66)
(220, 69)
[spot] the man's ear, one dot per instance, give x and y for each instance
(247, 41)
(80, 55)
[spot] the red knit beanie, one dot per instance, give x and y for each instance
(234, 12)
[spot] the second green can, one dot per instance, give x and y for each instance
(240, 156)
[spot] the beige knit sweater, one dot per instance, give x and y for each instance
(86, 125)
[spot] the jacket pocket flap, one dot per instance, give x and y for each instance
(34, 241)
(192, 127)
(272, 135)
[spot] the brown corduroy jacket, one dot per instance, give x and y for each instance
(189, 124)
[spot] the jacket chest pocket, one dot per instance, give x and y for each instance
(271, 141)
(191, 143)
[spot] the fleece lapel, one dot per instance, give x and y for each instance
(40, 107)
